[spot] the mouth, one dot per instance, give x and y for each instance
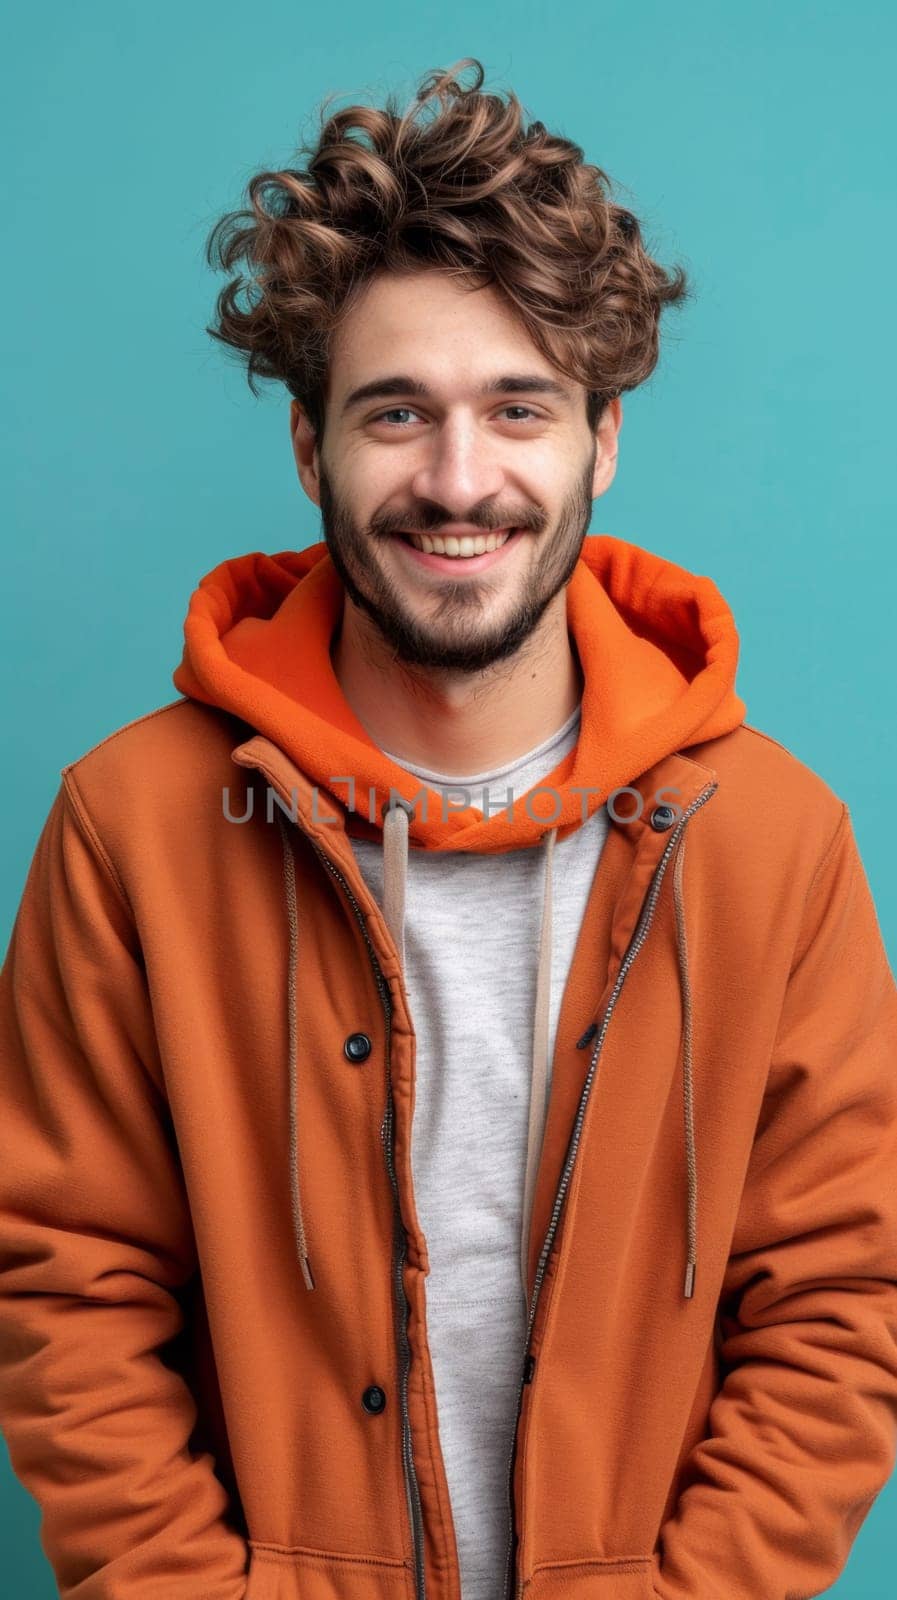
(467, 553)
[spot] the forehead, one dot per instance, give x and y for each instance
(451, 338)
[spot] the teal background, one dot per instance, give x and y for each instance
(756, 143)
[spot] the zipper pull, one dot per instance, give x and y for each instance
(588, 1036)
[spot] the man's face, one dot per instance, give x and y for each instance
(451, 462)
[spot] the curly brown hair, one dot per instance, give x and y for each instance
(474, 192)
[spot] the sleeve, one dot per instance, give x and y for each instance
(804, 1426)
(95, 1241)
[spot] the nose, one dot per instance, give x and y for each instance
(460, 468)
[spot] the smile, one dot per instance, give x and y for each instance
(467, 553)
(466, 545)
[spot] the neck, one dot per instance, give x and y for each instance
(459, 723)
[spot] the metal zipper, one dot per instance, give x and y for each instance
(412, 1490)
(638, 939)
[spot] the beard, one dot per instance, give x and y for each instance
(457, 635)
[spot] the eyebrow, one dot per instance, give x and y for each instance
(509, 383)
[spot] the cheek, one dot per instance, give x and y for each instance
(371, 478)
(547, 475)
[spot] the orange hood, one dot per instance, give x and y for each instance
(657, 645)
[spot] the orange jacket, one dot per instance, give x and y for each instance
(214, 1370)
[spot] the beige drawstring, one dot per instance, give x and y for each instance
(395, 872)
(538, 1098)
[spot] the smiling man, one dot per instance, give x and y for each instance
(418, 1180)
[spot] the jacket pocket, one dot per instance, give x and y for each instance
(295, 1572)
(625, 1578)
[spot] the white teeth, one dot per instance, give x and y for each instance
(466, 545)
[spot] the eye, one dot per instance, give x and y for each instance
(406, 410)
(528, 409)
(394, 412)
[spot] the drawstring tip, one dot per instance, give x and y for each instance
(690, 1279)
(306, 1272)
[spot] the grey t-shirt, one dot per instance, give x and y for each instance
(471, 945)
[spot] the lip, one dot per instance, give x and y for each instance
(466, 564)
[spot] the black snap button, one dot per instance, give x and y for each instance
(357, 1047)
(373, 1398)
(662, 817)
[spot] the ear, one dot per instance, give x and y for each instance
(607, 441)
(305, 451)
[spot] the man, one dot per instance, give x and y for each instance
(419, 1177)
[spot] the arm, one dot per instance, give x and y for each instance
(803, 1428)
(95, 1238)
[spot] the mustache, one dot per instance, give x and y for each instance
(385, 529)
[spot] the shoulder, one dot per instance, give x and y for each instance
(774, 810)
(155, 770)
